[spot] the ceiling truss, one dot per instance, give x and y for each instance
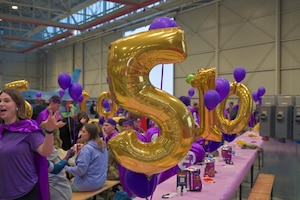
(20, 30)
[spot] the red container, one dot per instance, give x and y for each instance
(193, 179)
(77, 148)
(226, 152)
(209, 167)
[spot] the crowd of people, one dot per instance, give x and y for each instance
(30, 148)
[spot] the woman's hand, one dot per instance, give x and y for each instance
(70, 154)
(50, 122)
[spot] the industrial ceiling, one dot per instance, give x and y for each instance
(23, 29)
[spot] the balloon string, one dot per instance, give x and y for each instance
(154, 188)
(74, 130)
(162, 76)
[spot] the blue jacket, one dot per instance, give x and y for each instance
(91, 168)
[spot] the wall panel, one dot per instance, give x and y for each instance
(21, 66)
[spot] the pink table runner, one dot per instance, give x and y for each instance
(227, 178)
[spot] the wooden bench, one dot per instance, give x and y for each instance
(263, 187)
(92, 194)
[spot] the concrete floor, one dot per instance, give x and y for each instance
(246, 185)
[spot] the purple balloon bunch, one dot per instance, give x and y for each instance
(257, 96)
(213, 97)
(75, 89)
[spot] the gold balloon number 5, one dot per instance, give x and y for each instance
(130, 61)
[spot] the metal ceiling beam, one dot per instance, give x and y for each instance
(51, 40)
(126, 2)
(27, 20)
(130, 6)
(110, 16)
(23, 39)
(113, 15)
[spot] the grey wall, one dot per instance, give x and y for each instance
(261, 36)
(14, 67)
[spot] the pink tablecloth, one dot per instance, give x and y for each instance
(227, 178)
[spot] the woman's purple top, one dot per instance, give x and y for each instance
(21, 166)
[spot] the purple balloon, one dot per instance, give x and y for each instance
(75, 90)
(191, 92)
(152, 133)
(211, 99)
(261, 91)
(105, 104)
(61, 93)
(228, 137)
(239, 74)
(139, 184)
(222, 87)
(162, 22)
(211, 146)
(64, 80)
(198, 150)
(80, 98)
(255, 96)
(38, 95)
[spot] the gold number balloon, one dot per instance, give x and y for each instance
(28, 109)
(22, 85)
(205, 80)
(82, 105)
(130, 61)
(244, 110)
(101, 110)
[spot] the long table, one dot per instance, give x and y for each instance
(228, 178)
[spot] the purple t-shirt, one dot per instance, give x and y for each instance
(42, 116)
(17, 170)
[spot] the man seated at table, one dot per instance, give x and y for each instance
(115, 170)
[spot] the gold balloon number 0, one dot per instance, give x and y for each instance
(244, 110)
(102, 110)
(130, 61)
